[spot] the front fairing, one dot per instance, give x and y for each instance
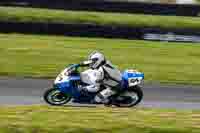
(65, 81)
(65, 75)
(68, 86)
(62, 77)
(68, 83)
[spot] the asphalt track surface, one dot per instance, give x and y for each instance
(20, 91)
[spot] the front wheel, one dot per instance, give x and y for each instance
(130, 98)
(55, 97)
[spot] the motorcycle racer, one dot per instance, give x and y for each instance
(101, 73)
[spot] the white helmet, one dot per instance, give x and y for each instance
(97, 59)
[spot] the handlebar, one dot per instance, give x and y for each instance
(82, 64)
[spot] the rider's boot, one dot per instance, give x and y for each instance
(104, 97)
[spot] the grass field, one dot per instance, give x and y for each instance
(51, 16)
(46, 56)
(43, 119)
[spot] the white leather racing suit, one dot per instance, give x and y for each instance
(105, 75)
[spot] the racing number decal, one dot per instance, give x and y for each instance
(134, 80)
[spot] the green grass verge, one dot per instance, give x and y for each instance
(43, 15)
(43, 119)
(46, 56)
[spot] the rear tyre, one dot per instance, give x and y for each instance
(55, 97)
(130, 98)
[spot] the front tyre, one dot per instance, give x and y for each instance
(130, 98)
(55, 97)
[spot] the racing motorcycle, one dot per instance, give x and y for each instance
(67, 88)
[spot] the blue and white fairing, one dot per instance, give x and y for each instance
(132, 78)
(64, 81)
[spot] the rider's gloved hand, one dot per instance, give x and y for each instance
(85, 63)
(81, 64)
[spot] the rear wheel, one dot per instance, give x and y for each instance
(129, 98)
(55, 97)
